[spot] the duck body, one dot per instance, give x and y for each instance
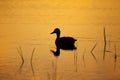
(66, 43)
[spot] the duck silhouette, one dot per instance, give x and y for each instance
(65, 43)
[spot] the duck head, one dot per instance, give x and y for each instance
(56, 30)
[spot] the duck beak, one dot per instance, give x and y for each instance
(52, 32)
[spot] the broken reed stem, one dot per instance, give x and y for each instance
(32, 54)
(92, 52)
(20, 53)
(32, 62)
(93, 47)
(105, 42)
(21, 56)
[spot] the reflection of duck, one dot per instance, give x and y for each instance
(57, 52)
(66, 43)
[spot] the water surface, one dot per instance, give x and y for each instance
(26, 43)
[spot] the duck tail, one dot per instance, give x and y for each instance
(75, 39)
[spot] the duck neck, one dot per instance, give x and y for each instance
(58, 36)
(58, 50)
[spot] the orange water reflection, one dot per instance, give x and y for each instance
(27, 24)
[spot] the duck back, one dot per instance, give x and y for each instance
(66, 43)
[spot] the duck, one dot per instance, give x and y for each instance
(65, 43)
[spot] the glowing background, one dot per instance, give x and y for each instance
(28, 23)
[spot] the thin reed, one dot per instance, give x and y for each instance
(105, 43)
(93, 53)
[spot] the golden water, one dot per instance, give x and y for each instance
(25, 25)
